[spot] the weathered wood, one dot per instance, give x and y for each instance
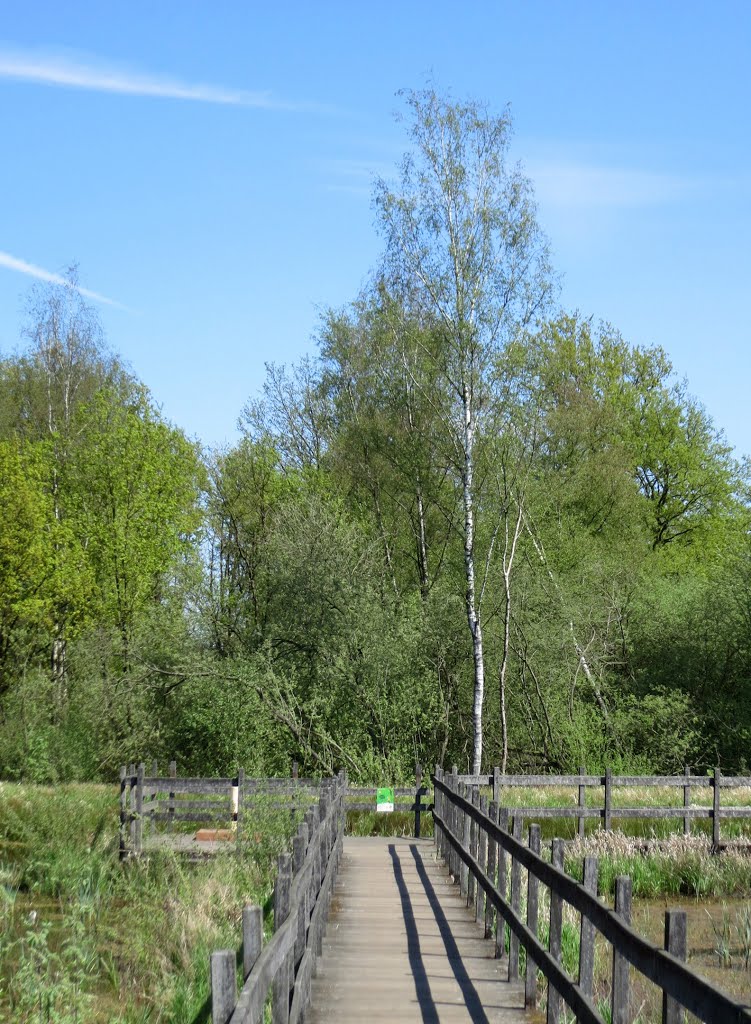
(482, 856)
(555, 933)
(466, 823)
(223, 986)
(497, 784)
(516, 903)
(474, 796)
(607, 816)
(492, 849)
(123, 810)
(200, 787)
(676, 943)
(690, 990)
(587, 930)
(172, 775)
(138, 838)
(620, 1004)
(533, 886)
(582, 803)
(716, 782)
(502, 858)
(687, 802)
(252, 926)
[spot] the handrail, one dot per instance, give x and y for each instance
(661, 967)
(301, 903)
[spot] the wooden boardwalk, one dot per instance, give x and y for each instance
(401, 945)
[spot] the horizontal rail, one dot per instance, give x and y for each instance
(666, 971)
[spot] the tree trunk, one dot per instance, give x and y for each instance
(473, 616)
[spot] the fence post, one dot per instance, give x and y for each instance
(171, 807)
(280, 988)
(533, 888)
(132, 806)
(252, 937)
(453, 816)
(555, 932)
(620, 1010)
(677, 944)
(139, 807)
(473, 837)
(582, 802)
(492, 861)
(587, 932)
(123, 809)
(239, 808)
(608, 799)
(438, 805)
(153, 794)
(466, 823)
(482, 856)
(500, 923)
(295, 770)
(716, 809)
(516, 903)
(418, 798)
(687, 802)
(223, 985)
(497, 784)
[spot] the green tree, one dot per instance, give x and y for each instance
(461, 233)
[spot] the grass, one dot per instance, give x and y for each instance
(86, 940)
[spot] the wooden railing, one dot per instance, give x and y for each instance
(609, 811)
(482, 846)
(150, 804)
(302, 894)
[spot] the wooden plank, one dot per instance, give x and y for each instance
(620, 996)
(223, 985)
(533, 889)
(699, 996)
(197, 786)
(676, 943)
(555, 934)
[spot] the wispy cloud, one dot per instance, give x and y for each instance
(77, 71)
(31, 270)
(584, 185)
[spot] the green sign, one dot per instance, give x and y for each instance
(384, 799)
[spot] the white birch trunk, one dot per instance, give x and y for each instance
(473, 616)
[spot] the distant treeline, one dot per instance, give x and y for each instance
(472, 529)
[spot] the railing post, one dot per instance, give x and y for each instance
(608, 799)
(587, 932)
(252, 937)
(171, 808)
(687, 802)
(620, 1005)
(497, 784)
(123, 810)
(223, 985)
(139, 808)
(716, 809)
(482, 856)
(500, 924)
(418, 798)
(473, 830)
(295, 770)
(582, 802)
(466, 822)
(239, 809)
(516, 904)
(281, 986)
(453, 817)
(677, 944)
(438, 807)
(555, 933)
(492, 813)
(132, 805)
(533, 888)
(153, 794)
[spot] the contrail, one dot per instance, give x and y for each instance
(22, 267)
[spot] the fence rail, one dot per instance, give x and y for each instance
(482, 845)
(609, 810)
(302, 894)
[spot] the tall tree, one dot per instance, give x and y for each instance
(461, 233)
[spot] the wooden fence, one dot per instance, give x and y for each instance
(482, 846)
(302, 894)
(151, 805)
(609, 811)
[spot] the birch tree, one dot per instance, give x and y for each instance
(461, 232)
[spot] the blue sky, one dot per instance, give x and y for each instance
(209, 168)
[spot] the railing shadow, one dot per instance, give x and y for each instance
(425, 999)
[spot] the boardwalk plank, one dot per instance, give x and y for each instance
(401, 945)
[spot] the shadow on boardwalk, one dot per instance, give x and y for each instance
(401, 945)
